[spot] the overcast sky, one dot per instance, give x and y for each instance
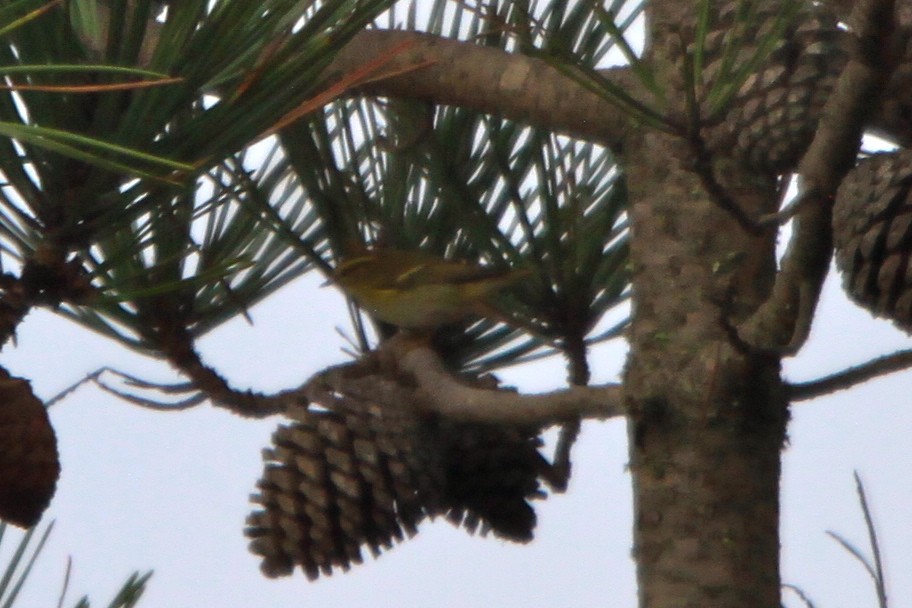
(168, 491)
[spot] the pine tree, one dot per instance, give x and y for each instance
(237, 147)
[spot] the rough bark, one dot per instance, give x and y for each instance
(522, 88)
(489, 80)
(526, 89)
(706, 418)
(707, 412)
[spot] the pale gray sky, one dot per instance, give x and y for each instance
(168, 491)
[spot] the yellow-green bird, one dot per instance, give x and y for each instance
(419, 291)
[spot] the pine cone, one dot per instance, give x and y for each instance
(490, 473)
(872, 233)
(338, 478)
(366, 466)
(29, 464)
(772, 118)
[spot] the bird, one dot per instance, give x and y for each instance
(418, 291)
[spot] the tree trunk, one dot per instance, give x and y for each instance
(707, 415)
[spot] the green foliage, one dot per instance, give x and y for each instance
(128, 595)
(207, 256)
(198, 247)
(584, 37)
(20, 564)
(735, 67)
(233, 72)
(23, 558)
(465, 185)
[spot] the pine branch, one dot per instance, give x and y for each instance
(492, 80)
(782, 324)
(449, 397)
(851, 376)
(176, 343)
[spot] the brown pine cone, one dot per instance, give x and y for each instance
(352, 474)
(29, 463)
(872, 233)
(491, 472)
(366, 465)
(772, 118)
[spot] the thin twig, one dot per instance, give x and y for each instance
(872, 538)
(90, 377)
(851, 376)
(788, 212)
(575, 350)
(170, 334)
(66, 581)
(801, 594)
(95, 378)
(561, 462)
(161, 406)
(875, 570)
